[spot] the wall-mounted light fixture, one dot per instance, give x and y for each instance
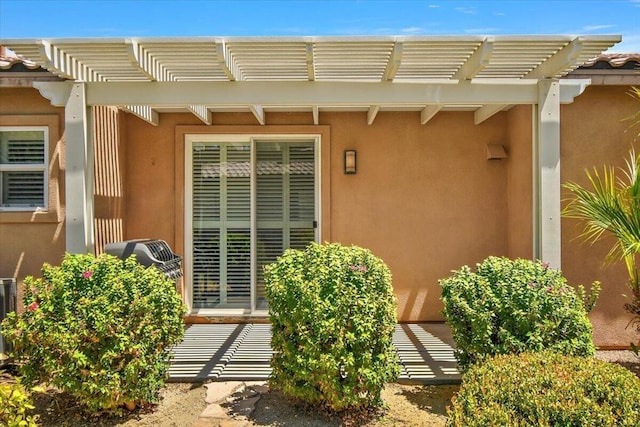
(350, 162)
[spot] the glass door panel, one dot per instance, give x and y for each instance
(285, 203)
(221, 225)
(282, 193)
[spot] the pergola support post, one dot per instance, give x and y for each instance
(79, 173)
(546, 169)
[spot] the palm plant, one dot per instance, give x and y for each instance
(612, 206)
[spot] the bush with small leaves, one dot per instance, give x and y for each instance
(333, 313)
(546, 389)
(515, 306)
(14, 406)
(98, 328)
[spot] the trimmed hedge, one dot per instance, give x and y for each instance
(333, 313)
(98, 328)
(546, 389)
(515, 306)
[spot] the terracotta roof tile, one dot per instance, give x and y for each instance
(615, 60)
(8, 62)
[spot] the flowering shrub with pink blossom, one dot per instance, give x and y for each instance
(333, 313)
(98, 328)
(516, 306)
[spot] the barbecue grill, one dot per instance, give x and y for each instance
(149, 252)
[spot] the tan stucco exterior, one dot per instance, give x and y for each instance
(594, 134)
(29, 239)
(425, 198)
(519, 183)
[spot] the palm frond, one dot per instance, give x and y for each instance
(611, 205)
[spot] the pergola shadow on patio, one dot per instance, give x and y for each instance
(242, 352)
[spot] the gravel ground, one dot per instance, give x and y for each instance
(407, 405)
(181, 404)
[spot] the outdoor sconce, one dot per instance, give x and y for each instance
(349, 162)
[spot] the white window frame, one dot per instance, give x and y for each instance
(44, 168)
(252, 139)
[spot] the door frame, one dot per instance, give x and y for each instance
(252, 139)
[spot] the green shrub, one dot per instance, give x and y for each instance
(515, 307)
(14, 405)
(333, 313)
(97, 328)
(546, 389)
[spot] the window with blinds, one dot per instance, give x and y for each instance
(23, 168)
(249, 202)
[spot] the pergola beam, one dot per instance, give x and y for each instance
(486, 111)
(66, 66)
(143, 112)
(258, 113)
(372, 113)
(180, 94)
(395, 59)
(311, 72)
(476, 62)
(140, 61)
(226, 62)
(201, 112)
(45, 51)
(559, 61)
(429, 112)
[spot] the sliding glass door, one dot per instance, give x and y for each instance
(248, 200)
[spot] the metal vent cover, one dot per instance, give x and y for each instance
(8, 297)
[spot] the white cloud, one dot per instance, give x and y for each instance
(412, 30)
(467, 10)
(590, 28)
(433, 6)
(500, 14)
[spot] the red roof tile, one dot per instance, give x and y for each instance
(8, 62)
(614, 59)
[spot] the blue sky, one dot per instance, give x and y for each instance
(146, 18)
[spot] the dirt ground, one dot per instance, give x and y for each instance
(181, 404)
(407, 405)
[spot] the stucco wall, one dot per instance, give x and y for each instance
(593, 134)
(29, 239)
(425, 199)
(520, 182)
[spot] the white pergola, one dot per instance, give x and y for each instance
(206, 75)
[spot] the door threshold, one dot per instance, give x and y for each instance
(226, 316)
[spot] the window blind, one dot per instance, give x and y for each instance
(23, 179)
(284, 197)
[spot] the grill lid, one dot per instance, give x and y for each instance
(148, 252)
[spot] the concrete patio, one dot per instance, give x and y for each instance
(242, 352)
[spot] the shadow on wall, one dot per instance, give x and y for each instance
(109, 178)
